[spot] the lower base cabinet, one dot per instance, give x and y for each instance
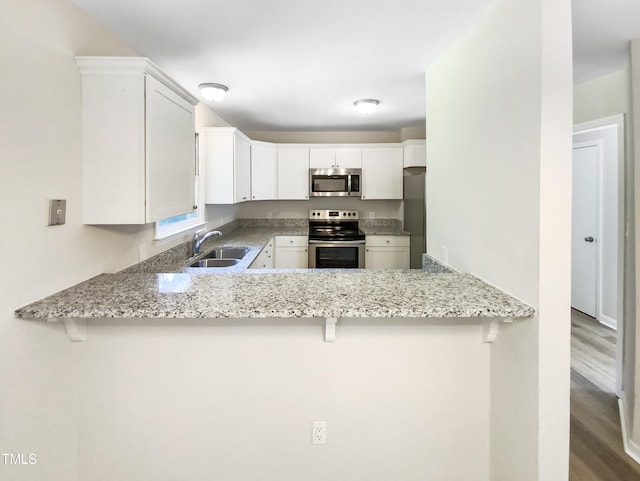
(291, 252)
(387, 252)
(265, 259)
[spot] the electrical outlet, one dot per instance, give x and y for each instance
(372, 215)
(319, 432)
(444, 255)
(269, 215)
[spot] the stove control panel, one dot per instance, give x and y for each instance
(327, 214)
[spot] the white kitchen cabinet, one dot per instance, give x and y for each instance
(138, 136)
(265, 260)
(227, 159)
(387, 252)
(293, 173)
(292, 252)
(264, 181)
(349, 158)
(415, 153)
(382, 172)
(335, 158)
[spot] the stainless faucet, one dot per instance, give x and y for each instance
(199, 238)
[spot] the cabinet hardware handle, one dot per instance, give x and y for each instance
(588, 239)
(195, 207)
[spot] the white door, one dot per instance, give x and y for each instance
(584, 253)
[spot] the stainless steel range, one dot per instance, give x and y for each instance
(335, 240)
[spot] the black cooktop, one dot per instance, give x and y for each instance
(328, 230)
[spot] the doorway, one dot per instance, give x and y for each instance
(597, 223)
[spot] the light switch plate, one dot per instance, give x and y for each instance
(57, 211)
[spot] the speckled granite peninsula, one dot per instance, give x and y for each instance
(322, 293)
(165, 287)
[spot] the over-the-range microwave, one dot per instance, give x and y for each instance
(334, 182)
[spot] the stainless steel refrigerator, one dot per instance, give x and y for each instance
(415, 216)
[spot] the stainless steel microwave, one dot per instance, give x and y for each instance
(335, 182)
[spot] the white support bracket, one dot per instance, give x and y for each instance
(490, 328)
(330, 329)
(76, 328)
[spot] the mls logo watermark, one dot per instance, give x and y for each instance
(19, 458)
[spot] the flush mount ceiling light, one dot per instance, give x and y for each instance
(215, 92)
(366, 106)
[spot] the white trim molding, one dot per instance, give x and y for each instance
(631, 448)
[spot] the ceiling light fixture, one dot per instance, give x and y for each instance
(366, 106)
(215, 92)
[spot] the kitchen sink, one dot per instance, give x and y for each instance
(227, 253)
(221, 257)
(215, 263)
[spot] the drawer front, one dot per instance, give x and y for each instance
(388, 240)
(292, 240)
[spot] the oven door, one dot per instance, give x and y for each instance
(336, 254)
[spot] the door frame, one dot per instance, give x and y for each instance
(619, 122)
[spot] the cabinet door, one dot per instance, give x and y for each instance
(291, 252)
(170, 153)
(322, 158)
(219, 169)
(292, 258)
(415, 155)
(382, 173)
(263, 172)
(293, 173)
(264, 260)
(242, 169)
(349, 158)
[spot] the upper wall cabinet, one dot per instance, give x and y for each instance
(227, 154)
(264, 170)
(382, 173)
(293, 173)
(415, 153)
(138, 133)
(335, 158)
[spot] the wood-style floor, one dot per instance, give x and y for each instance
(597, 452)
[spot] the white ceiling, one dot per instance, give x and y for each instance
(300, 65)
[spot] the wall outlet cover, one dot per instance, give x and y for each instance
(57, 211)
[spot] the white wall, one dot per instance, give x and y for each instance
(40, 159)
(632, 397)
(602, 97)
(498, 197)
(202, 400)
(333, 137)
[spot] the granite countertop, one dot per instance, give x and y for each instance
(284, 294)
(165, 287)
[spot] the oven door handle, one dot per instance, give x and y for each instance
(339, 242)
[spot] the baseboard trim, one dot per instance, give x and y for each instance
(608, 321)
(631, 448)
